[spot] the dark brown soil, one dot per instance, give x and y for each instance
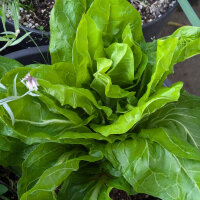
(121, 195)
(36, 13)
(9, 180)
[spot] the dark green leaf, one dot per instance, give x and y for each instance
(3, 189)
(153, 170)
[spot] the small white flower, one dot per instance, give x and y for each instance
(17, 32)
(30, 82)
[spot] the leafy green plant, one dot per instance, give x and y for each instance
(8, 37)
(98, 117)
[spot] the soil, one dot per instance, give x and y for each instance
(121, 195)
(9, 180)
(152, 9)
(35, 13)
(39, 14)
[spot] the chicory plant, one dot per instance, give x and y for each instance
(99, 116)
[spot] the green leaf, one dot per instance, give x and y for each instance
(101, 117)
(17, 41)
(59, 73)
(7, 64)
(95, 39)
(82, 186)
(102, 83)
(113, 16)
(81, 57)
(187, 46)
(3, 16)
(13, 151)
(122, 70)
(53, 107)
(128, 39)
(8, 78)
(3, 189)
(188, 43)
(173, 143)
(165, 48)
(75, 97)
(32, 118)
(64, 20)
(89, 2)
(153, 170)
(84, 138)
(125, 122)
(141, 68)
(40, 159)
(176, 127)
(38, 119)
(90, 182)
(53, 173)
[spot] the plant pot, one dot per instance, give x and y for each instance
(152, 29)
(33, 55)
(10, 49)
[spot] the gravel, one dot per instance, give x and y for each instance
(152, 9)
(34, 14)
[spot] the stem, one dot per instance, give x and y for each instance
(175, 24)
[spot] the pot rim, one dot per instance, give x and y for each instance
(27, 52)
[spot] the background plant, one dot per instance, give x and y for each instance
(10, 38)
